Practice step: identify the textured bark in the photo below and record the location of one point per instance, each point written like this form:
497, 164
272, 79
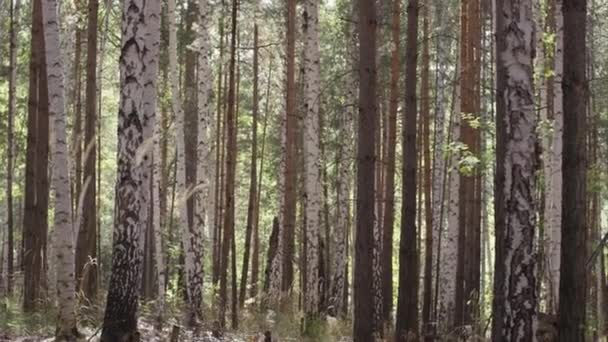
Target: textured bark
228, 224
35, 219
136, 116
553, 197
407, 305
312, 156
86, 245
518, 289
573, 277
66, 323
363, 284
253, 188
425, 113
287, 240
12, 88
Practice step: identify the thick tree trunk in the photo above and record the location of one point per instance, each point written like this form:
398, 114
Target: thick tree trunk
363, 284
136, 116
312, 158
407, 305
572, 289
35, 219
517, 298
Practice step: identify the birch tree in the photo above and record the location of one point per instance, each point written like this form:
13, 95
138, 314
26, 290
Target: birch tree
517, 157
138, 64
66, 294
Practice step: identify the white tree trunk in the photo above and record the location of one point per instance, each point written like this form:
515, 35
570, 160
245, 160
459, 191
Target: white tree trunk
66, 324
312, 92
449, 241
553, 200
518, 290
191, 236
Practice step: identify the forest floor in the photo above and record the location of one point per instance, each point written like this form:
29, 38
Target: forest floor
16, 326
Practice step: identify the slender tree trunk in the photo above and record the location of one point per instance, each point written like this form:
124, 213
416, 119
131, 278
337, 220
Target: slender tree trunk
289, 194
425, 112
389, 182
407, 307
517, 299
66, 324
572, 294
136, 116
228, 225
253, 188
86, 243
553, 200
363, 297
12, 89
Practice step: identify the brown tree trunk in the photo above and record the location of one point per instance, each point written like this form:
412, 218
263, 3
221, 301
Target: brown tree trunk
407, 307
86, 245
425, 113
35, 224
289, 195
368, 118
228, 226
572, 289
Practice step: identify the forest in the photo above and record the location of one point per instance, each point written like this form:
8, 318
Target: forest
303, 170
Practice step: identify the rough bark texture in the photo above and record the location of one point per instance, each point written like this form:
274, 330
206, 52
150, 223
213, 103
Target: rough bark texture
363, 296
572, 287
35, 217
407, 305
138, 66
312, 156
518, 290
66, 296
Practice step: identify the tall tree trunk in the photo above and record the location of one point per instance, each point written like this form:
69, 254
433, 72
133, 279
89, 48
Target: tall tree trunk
389, 182
553, 199
86, 245
66, 323
572, 289
425, 113
407, 305
35, 219
517, 298
191, 234
228, 225
136, 116
12, 89
287, 240
253, 188
363, 297
312, 158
